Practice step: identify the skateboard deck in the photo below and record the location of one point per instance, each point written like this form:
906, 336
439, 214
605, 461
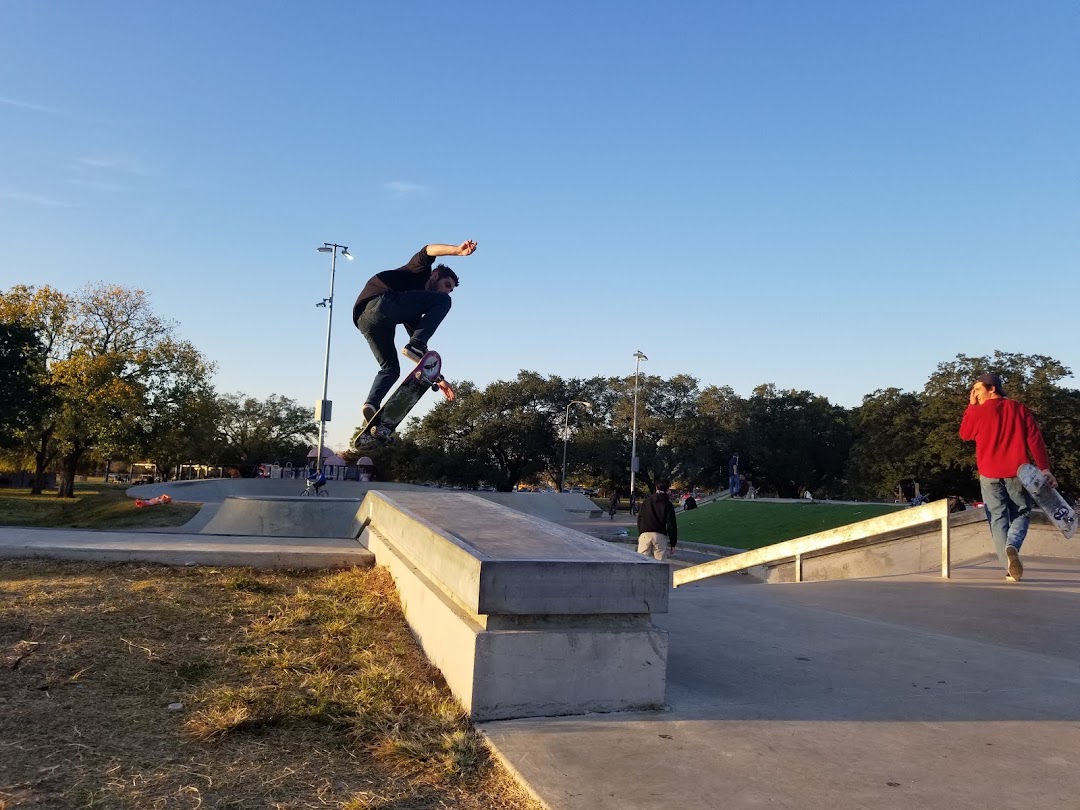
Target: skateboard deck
1049, 499
380, 430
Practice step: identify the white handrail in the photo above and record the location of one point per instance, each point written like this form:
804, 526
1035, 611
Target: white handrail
833, 538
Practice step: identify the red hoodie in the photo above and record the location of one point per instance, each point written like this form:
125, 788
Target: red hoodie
1003, 431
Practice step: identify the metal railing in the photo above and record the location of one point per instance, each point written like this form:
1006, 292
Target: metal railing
831, 540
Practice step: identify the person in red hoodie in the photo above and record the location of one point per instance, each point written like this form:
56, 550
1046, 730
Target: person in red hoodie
1004, 432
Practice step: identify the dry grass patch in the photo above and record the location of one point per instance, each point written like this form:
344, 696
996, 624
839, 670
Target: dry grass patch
296, 690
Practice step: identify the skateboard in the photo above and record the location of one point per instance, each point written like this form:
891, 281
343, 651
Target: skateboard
380, 430
1049, 499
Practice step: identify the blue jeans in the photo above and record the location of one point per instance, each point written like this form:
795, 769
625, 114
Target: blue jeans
420, 310
733, 485
1008, 508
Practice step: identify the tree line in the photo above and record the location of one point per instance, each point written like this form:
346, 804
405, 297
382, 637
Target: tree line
97, 375
511, 432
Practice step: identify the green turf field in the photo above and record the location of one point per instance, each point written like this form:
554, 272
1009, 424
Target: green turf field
752, 524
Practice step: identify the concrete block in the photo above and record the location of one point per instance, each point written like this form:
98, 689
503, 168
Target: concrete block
496, 560
523, 618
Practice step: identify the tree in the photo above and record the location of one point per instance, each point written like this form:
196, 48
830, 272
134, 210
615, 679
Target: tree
46, 311
275, 430
500, 435
797, 439
182, 420
112, 364
888, 444
24, 389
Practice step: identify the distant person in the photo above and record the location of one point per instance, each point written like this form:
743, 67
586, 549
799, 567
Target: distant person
316, 480
613, 505
733, 474
657, 529
957, 504
633, 503
690, 502
1004, 432
751, 490
417, 295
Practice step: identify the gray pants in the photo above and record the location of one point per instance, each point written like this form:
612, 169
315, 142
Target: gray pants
653, 544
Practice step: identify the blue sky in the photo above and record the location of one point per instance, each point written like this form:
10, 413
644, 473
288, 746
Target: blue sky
833, 196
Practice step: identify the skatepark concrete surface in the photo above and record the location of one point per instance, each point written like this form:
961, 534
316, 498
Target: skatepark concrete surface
264, 522
896, 692
904, 691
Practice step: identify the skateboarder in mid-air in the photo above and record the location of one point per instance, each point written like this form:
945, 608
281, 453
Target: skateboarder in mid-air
417, 295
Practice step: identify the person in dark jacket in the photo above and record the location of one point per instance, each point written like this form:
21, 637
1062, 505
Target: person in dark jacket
657, 530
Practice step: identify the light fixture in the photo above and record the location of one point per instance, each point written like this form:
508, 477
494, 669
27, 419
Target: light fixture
322, 410
634, 463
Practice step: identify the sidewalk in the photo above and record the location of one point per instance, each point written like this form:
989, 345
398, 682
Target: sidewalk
179, 548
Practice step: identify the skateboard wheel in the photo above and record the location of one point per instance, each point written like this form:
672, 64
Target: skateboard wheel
434, 386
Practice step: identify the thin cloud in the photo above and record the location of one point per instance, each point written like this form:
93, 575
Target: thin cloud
114, 164
27, 105
99, 185
403, 188
34, 199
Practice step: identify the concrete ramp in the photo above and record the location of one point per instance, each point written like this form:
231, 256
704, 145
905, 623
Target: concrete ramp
216, 490
286, 517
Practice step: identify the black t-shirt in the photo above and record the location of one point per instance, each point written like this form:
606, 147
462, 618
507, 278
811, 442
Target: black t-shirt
413, 275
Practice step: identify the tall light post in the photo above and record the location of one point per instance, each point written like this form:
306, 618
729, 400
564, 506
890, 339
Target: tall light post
566, 437
324, 407
633, 442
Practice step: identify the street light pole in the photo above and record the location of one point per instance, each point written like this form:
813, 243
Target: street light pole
566, 437
324, 407
633, 442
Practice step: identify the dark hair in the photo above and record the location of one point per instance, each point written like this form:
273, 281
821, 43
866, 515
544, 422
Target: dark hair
991, 380
663, 485
442, 271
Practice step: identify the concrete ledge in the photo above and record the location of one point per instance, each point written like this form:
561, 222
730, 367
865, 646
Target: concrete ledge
523, 617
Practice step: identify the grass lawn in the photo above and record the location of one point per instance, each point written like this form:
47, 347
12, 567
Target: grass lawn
95, 506
752, 524
142, 686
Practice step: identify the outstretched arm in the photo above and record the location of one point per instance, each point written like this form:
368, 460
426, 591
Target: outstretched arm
466, 248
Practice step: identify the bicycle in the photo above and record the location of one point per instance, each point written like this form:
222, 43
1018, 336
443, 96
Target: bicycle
314, 485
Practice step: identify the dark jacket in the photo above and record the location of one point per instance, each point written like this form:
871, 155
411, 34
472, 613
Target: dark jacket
658, 515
